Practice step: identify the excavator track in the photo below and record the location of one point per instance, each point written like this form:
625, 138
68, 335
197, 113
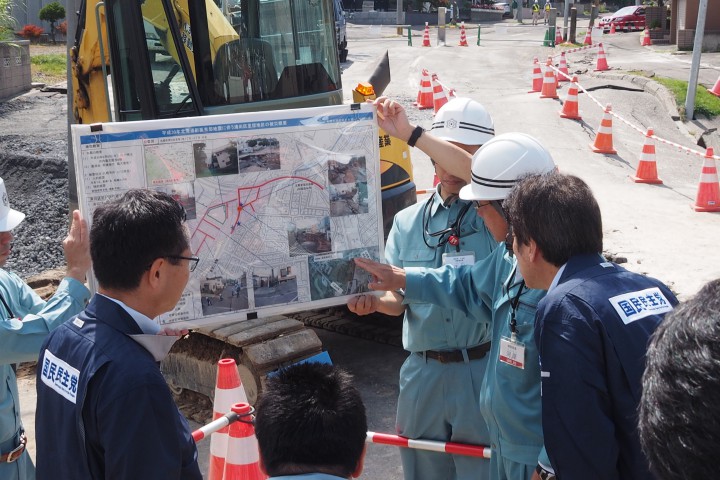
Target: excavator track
375, 327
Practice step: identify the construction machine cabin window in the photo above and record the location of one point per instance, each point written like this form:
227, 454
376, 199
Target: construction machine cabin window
280, 49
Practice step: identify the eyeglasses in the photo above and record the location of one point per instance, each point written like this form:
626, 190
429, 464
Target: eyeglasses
479, 205
192, 261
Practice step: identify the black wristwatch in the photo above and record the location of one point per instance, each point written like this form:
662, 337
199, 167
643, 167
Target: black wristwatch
544, 474
415, 135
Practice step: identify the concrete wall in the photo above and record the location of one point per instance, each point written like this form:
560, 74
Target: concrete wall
686, 21
14, 68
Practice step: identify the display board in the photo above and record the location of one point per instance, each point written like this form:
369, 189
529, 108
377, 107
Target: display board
278, 203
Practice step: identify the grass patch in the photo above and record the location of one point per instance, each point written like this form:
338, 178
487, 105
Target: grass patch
705, 103
49, 68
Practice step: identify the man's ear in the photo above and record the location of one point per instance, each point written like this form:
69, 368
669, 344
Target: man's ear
153, 275
360, 464
533, 251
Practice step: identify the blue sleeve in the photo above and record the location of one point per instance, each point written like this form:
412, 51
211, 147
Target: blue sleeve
21, 338
466, 288
576, 413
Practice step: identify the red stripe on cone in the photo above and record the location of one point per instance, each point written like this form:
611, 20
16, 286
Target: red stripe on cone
647, 167
463, 38
563, 69
716, 89
228, 391
603, 139
243, 456
708, 195
426, 36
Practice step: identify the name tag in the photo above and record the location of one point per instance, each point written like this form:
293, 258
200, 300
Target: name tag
636, 305
457, 259
512, 352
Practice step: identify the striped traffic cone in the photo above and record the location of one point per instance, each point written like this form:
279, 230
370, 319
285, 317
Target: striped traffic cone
549, 86
647, 168
425, 94
463, 38
716, 89
602, 64
588, 37
563, 69
570, 106
558, 36
646, 41
708, 195
439, 97
426, 36
603, 139
228, 391
243, 455
537, 77
612, 29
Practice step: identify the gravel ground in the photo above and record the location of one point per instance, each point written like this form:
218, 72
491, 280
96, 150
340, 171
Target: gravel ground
33, 163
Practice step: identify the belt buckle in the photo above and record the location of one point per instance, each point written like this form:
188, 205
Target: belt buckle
16, 452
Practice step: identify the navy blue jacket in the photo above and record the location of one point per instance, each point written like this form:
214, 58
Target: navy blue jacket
104, 410
592, 332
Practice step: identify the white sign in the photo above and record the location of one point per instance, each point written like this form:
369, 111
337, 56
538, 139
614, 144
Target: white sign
278, 203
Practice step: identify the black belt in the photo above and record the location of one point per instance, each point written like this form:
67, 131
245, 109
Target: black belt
16, 452
455, 356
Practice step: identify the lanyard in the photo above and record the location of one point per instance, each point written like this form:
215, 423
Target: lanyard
514, 301
450, 234
12, 315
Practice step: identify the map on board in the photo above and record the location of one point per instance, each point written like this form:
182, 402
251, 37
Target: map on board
278, 203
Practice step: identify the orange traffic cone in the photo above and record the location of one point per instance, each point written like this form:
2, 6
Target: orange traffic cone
603, 139
570, 106
716, 89
425, 94
228, 391
243, 455
647, 168
549, 86
563, 69
602, 64
708, 196
463, 38
646, 41
439, 97
612, 28
558, 36
588, 37
426, 36
537, 78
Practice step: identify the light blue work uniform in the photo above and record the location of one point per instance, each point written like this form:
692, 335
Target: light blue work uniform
20, 341
438, 401
510, 397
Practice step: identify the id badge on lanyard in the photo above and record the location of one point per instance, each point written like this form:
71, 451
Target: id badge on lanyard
457, 259
512, 352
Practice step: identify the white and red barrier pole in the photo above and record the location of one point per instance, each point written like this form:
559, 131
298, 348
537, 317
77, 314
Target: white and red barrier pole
212, 427
480, 451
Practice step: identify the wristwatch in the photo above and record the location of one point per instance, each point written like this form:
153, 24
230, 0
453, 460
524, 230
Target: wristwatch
415, 135
544, 474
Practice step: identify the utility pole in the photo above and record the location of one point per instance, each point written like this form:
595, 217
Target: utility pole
695, 67
594, 13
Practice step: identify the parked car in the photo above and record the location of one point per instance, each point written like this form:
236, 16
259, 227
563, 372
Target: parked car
505, 7
626, 19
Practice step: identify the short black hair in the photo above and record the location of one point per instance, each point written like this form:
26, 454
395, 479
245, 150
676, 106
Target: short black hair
679, 410
311, 419
131, 232
558, 212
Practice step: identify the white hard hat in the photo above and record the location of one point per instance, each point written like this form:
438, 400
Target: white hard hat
9, 218
501, 162
465, 121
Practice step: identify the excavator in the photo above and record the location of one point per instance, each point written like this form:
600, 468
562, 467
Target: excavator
158, 59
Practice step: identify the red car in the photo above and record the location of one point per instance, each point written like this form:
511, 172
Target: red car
626, 19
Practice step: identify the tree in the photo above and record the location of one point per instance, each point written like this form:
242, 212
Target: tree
7, 22
51, 13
